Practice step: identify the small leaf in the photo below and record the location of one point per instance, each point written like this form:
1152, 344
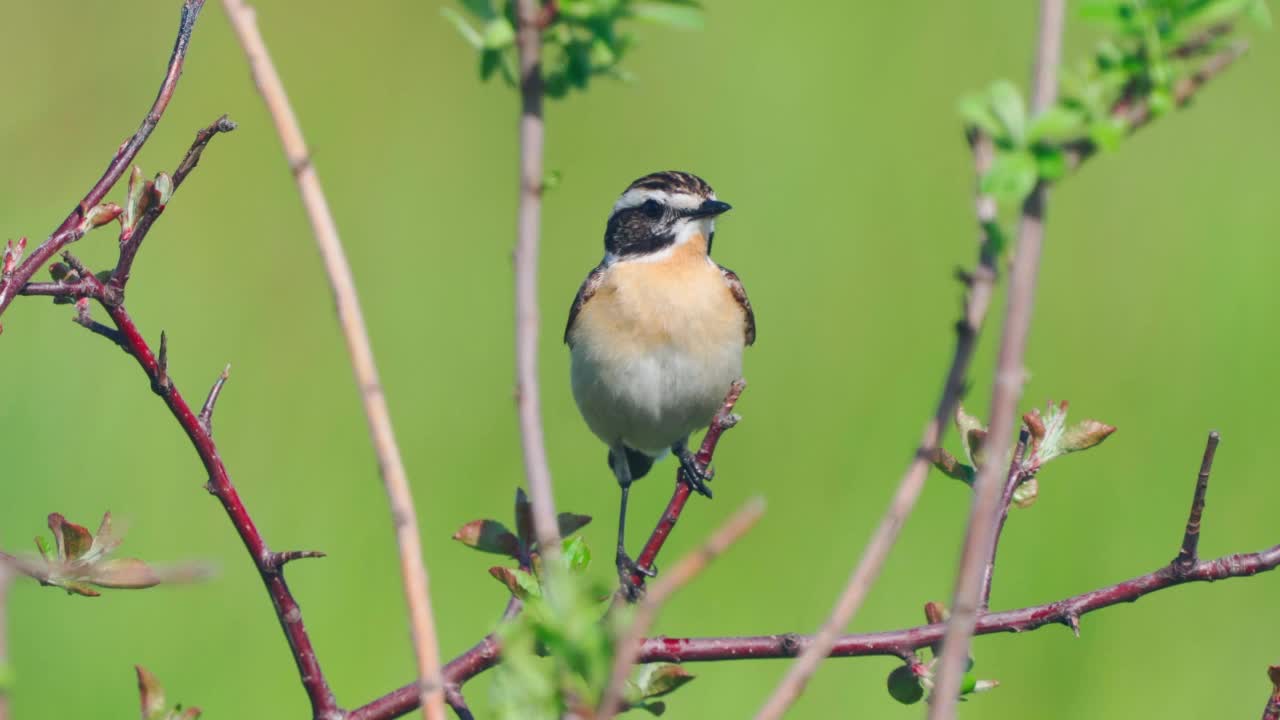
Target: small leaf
102, 214
1025, 495
1051, 162
468, 33
1258, 12
935, 612
575, 555
1107, 133
498, 34
571, 523
521, 584
488, 536
137, 200
1011, 177
976, 111
1056, 123
150, 692
952, 468
162, 186
524, 517
72, 540
904, 685
124, 573
480, 8
1160, 101
1006, 103
658, 679
973, 434
1085, 435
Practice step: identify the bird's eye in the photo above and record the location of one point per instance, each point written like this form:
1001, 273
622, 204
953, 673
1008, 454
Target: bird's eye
651, 208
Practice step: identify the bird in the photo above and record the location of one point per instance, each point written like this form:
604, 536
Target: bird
656, 333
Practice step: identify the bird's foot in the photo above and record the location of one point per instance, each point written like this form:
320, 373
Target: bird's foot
695, 474
627, 570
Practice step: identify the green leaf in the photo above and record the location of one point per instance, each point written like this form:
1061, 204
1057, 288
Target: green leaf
463, 27
521, 584
498, 34
976, 111
1051, 162
480, 8
1056, 123
1012, 176
1084, 435
658, 679
685, 16
904, 685
1009, 109
952, 468
576, 555
972, 433
1259, 13
1107, 133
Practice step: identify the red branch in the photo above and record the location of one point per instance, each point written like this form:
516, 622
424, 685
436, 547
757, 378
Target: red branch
897, 643
1272, 710
723, 420
74, 226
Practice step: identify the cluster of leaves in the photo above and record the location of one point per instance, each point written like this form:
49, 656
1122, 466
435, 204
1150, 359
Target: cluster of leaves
1150, 45
580, 39
908, 683
558, 651
1048, 437
154, 706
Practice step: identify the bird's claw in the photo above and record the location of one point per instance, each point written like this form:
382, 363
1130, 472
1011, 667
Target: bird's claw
696, 476
628, 569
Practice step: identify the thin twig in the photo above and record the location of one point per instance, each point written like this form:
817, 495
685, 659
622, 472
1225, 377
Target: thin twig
528, 397
412, 568
981, 283
679, 576
723, 420
1013, 478
75, 225
1189, 553
1009, 376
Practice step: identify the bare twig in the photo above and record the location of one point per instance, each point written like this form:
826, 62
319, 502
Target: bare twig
983, 518
75, 225
528, 398
412, 568
1189, 553
1012, 479
981, 283
723, 420
1272, 710
206, 412
629, 644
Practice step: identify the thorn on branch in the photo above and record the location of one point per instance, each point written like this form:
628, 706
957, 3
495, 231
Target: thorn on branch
1189, 556
163, 384
206, 412
84, 319
277, 560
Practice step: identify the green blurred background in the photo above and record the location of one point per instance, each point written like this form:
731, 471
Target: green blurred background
831, 128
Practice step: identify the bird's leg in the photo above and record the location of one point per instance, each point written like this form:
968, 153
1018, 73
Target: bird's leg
626, 566
691, 471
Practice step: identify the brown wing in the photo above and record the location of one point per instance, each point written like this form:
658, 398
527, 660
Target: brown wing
740, 294
589, 287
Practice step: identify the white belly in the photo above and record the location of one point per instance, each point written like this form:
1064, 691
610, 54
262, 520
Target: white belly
649, 400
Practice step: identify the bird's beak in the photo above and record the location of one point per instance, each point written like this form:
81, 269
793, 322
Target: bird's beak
711, 208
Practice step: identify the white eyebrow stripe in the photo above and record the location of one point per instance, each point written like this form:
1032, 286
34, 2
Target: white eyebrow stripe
637, 197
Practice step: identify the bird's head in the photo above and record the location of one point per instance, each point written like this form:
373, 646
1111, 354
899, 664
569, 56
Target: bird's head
659, 211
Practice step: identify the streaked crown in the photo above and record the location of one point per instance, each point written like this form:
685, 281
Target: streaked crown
660, 210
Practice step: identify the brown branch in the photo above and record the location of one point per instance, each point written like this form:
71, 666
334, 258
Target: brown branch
895, 643
723, 420
1013, 478
1189, 554
628, 646
76, 224
980, 538
1272, 710
399, 495
127, 335
528, 397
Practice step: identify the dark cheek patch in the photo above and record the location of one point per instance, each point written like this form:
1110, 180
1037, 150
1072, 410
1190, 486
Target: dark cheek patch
630, 233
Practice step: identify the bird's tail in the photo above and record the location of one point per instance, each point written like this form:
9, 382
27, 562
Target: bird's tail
638, 462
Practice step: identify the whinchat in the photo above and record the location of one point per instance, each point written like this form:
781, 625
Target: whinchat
657, 330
